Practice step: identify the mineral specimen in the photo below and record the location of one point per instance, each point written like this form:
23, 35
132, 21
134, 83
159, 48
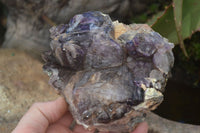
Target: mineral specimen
109, 73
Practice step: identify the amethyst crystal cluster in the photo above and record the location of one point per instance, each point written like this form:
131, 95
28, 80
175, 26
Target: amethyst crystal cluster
109, 73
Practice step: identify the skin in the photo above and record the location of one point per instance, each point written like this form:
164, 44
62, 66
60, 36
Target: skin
54, 117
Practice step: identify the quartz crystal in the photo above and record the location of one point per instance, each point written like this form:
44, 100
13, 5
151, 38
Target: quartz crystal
109, 73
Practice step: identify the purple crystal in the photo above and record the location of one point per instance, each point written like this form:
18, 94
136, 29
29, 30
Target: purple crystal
109, 82
89, 21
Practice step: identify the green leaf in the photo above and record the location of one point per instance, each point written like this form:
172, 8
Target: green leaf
185, 16
178, 13
155, 18
165, 25
177, 6
191, 17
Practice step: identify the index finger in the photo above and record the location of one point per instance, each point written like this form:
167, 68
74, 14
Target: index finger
40, 115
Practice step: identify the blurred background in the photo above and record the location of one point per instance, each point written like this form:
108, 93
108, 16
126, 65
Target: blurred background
24, 35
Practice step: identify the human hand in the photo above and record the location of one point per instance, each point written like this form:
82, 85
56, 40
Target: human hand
54, 117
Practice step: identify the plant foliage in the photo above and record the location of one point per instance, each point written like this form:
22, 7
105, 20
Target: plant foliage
179, 21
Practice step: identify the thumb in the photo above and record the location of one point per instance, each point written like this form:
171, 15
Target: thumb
141, 128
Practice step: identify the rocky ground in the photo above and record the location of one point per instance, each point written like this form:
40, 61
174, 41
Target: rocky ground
22, 82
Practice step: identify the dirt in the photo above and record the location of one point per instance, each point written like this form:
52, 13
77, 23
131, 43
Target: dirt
22, 82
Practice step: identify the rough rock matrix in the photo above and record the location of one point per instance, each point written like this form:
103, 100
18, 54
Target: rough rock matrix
109, 73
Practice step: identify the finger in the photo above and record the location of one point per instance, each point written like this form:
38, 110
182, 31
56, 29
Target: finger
58, 128
62, 125
40, 115
81, 129
105, 132
141, 128
66, 120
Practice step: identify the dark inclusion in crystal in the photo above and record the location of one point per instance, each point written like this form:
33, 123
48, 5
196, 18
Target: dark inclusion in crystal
109, 73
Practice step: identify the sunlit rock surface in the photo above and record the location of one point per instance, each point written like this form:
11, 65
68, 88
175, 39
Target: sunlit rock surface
109, 73
22, 83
